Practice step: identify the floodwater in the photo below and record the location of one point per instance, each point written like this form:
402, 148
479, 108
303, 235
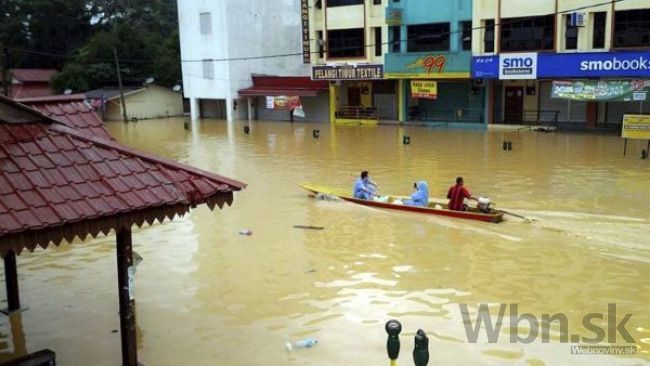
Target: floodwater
208, 296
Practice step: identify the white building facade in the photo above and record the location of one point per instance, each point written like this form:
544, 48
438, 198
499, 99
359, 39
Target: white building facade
225, 42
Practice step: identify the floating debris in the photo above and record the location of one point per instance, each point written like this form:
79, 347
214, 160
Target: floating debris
308, 227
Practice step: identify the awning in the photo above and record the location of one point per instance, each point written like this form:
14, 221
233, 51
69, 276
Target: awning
291, 86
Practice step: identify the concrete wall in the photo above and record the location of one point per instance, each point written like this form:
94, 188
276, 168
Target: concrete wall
449, 11
196, 47
366, 16
316, 110
489, 9
153, 102
239, 29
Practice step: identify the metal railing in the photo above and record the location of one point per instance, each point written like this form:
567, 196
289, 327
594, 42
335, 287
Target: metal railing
463, 115
528, 117
356, 112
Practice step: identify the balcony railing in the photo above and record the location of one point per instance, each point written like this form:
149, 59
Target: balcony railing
527, 117
463, 115
356, 112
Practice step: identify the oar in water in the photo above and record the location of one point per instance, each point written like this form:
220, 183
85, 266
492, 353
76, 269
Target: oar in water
516, 215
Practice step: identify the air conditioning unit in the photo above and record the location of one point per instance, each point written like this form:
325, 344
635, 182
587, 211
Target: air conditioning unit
577, 19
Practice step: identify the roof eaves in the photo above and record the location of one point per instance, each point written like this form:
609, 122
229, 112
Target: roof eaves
236, 185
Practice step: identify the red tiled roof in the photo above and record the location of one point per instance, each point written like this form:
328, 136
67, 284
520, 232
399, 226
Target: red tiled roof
19, 91
72, 111
33, 75
57, 183
285, 85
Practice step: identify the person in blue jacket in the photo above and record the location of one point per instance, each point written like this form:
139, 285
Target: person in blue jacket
364, 188
421, 195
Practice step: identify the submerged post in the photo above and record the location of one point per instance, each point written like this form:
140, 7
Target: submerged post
127, 302
11, 280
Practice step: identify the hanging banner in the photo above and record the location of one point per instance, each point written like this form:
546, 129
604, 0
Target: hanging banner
283, 102
601, 90
636, 126
421, 89
306, 43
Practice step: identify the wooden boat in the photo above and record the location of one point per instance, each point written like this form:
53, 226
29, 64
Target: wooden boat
387, 202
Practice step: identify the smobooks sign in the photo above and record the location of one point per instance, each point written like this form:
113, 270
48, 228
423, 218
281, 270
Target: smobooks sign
595, 64
518, 66
346, 72
601, 90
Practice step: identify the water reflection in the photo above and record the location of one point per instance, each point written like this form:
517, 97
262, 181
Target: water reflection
206, 293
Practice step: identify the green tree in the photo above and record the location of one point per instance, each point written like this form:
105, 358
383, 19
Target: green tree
145, 34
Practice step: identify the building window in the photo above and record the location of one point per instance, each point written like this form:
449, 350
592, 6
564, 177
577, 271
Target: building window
600, 23
345, 43
488, 35
377, 41
318, 4
428, 37
205, 21
208, 69
396, 39
466, 36
527, 33
570, 34
376, 2
332, 3
321, 44
632, 28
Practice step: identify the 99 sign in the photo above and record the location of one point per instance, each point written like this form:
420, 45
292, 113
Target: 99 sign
437, 63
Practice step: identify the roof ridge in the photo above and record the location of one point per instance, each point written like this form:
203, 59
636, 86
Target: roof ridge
146, 156
28, 109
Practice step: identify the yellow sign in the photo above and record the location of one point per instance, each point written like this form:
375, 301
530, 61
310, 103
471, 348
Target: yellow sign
636, 126
424, 89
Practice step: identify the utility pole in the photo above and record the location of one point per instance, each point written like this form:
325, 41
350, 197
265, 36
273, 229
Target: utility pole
5, 72
119, 84
119, 72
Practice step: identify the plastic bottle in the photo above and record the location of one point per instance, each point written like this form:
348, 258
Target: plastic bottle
305, 343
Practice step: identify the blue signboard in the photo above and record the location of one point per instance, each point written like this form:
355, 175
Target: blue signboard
573, 65
485, 67
597, 64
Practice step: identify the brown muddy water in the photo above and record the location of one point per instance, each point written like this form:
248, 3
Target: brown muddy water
208, 296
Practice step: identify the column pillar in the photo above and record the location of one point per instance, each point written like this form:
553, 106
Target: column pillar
333, 96
194, 109
125, 272
249, 102
11, 280
230, 112
401, 101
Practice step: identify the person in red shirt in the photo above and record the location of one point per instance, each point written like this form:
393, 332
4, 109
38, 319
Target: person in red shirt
457, 194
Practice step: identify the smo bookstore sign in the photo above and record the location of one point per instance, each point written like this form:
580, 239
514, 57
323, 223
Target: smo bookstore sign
595, 64
631, 64
517, 66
